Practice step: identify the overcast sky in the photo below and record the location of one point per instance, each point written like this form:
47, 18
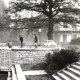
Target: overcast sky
6, 2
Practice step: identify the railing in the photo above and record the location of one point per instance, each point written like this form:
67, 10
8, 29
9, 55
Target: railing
5, 59
69, 29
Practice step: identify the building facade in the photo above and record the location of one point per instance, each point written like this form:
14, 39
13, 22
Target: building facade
64, 35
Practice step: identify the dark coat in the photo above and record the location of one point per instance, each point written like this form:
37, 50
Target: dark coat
21, 39
36, 39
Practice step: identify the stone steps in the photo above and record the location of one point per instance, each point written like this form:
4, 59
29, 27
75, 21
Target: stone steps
63, 76
56, 77
72, 72
75, 67
71, 75
77, 63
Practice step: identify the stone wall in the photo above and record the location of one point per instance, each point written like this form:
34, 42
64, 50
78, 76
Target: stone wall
8, 57
13, 36
29, 56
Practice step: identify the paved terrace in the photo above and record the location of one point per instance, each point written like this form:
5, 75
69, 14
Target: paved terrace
18, 74
71, 72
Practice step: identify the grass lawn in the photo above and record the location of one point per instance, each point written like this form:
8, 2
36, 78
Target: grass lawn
27, 67
39, 77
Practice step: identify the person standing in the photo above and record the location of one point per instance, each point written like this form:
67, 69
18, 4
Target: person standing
36, 41
21, 40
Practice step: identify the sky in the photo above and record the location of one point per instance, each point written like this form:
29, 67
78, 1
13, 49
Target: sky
6, 2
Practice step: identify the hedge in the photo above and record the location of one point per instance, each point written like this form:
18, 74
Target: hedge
58, 60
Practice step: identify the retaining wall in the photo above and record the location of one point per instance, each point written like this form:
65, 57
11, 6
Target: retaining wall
8, 57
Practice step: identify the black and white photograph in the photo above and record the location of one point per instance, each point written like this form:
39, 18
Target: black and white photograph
39, 39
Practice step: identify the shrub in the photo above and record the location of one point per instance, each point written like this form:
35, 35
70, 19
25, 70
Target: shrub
75, 41
58, 60
61, 59
39, 66
70, 56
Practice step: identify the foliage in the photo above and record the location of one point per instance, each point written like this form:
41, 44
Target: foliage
75, 41
55, 11
4, 23
61, 59
70, 56
58, 60
39, 66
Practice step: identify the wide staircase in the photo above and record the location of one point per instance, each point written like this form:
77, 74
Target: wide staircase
71, 72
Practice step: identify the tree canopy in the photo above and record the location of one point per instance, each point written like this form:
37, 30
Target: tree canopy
55, 11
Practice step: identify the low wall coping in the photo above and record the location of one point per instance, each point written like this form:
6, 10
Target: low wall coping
49, 49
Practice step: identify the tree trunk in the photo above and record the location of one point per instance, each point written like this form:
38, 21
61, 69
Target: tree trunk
50, 29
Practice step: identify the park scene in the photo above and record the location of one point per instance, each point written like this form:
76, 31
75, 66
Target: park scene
39, 40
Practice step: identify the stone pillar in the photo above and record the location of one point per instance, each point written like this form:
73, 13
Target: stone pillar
9, 75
